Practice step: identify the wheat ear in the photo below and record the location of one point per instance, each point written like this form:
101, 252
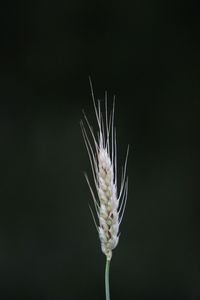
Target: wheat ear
109, 202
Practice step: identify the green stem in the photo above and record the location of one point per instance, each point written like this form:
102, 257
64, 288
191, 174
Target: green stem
107, 288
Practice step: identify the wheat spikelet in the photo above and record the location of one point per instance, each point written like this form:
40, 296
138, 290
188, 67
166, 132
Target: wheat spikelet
109, 202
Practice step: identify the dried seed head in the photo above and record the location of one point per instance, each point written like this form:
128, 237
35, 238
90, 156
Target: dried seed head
108, 201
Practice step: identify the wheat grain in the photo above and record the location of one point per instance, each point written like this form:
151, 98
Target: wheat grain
109, 202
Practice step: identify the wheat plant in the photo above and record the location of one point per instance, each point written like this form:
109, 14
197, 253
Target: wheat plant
109, 200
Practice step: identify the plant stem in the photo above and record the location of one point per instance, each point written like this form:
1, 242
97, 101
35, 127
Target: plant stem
107, 288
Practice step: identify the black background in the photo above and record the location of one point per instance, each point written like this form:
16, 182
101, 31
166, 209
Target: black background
147, 54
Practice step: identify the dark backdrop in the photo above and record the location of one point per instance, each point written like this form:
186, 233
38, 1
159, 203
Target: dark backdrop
147, 54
